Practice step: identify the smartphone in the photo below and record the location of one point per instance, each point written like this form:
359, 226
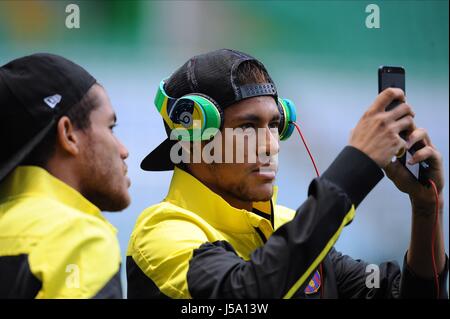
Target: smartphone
394, 76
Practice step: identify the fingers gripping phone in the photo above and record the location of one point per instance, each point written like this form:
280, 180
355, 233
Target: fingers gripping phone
393, 76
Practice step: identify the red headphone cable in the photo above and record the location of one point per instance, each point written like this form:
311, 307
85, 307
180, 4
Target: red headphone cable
307, 148
318, 174
433, 238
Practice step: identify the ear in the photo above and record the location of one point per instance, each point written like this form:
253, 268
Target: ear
68, 138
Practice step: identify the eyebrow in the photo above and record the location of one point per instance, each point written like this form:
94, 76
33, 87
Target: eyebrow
255, 118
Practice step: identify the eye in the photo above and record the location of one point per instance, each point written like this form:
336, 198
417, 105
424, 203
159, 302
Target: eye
246, 126
274, 124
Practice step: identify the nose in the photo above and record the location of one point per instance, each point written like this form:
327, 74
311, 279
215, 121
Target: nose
268, 142
122, 150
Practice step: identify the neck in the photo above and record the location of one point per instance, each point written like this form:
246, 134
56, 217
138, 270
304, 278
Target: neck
227, 196
232, 200
65, 173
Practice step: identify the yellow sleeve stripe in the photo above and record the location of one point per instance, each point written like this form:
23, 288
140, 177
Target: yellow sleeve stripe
348, 217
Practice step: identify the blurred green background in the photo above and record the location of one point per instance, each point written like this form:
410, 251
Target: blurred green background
320, 54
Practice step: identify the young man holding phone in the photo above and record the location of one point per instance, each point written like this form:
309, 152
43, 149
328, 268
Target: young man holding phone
219, 232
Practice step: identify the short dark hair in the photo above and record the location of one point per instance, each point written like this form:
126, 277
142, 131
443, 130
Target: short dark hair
79, 115
250, 72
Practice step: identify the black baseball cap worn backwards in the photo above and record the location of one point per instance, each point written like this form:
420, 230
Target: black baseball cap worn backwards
35, 91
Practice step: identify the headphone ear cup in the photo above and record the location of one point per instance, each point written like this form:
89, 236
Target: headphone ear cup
213, 117
181, 112
288, 115
189, 109
282, 117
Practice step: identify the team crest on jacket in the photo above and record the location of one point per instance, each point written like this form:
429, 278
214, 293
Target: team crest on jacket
314, 284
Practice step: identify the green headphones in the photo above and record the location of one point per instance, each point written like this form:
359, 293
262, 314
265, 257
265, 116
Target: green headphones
202, 117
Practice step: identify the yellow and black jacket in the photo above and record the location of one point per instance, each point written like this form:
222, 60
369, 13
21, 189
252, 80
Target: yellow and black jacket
195, 245
54, 243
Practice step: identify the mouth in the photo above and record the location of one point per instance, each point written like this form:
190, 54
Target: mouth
125, 172
267, 172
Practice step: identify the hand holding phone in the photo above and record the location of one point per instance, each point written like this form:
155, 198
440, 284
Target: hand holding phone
392, 76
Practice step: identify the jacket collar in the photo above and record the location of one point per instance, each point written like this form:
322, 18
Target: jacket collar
189, 193
33, 181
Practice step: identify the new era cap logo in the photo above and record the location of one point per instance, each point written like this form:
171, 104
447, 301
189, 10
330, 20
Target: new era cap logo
53, 100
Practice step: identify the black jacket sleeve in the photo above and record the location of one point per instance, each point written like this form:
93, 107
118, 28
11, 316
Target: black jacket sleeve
359, 279
284, 264
413, 286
